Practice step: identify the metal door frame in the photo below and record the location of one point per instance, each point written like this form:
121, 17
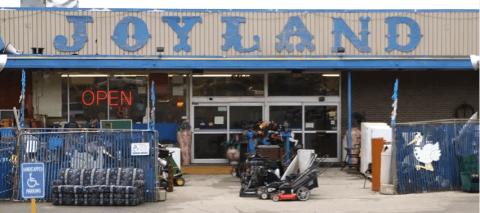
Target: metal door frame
227, 131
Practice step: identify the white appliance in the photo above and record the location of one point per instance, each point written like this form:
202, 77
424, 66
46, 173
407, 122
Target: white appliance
369, 131
176, 156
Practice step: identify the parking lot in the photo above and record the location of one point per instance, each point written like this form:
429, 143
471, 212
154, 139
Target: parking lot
338, 191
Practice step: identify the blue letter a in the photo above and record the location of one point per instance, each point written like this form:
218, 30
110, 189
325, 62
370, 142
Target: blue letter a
287, 32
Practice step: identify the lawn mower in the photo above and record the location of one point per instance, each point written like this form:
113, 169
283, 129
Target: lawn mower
265, 135
295, 186
258, 171
170, 174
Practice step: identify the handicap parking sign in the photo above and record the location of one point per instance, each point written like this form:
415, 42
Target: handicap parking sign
33, 180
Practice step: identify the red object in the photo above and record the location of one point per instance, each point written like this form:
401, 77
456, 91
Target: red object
287, 196
103, 95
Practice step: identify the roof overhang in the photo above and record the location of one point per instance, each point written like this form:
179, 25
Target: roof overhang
172, 62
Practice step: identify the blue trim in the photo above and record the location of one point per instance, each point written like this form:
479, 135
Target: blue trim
233, 57
157, 63
240, 10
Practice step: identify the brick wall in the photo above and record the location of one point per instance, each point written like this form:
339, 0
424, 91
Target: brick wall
423, 95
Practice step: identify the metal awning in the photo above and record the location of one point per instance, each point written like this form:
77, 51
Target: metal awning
172, 62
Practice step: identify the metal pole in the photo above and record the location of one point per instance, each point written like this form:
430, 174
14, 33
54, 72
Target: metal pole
68, 99
349, 112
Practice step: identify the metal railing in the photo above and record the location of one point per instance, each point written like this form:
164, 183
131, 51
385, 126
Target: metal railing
7, 159
84, 149
431, 172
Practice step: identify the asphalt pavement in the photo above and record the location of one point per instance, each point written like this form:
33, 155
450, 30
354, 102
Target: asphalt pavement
338, 191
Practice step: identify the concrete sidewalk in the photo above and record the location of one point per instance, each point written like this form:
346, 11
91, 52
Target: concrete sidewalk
338, 191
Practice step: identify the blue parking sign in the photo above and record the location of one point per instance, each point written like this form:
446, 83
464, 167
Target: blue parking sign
33, 180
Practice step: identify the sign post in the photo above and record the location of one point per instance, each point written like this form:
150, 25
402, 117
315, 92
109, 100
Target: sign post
33, 182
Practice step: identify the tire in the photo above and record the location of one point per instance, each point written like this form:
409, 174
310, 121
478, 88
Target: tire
179, 181
264, 196
303, 193
164, 183
275, 197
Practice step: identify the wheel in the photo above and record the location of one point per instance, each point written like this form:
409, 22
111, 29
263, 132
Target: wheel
275, 197
303, 193
264, 196
164, 183
233, 173
179, 181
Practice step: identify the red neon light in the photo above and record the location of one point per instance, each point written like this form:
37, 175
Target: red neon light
109, 96
83, 97
112, 98
99, 98
122, 94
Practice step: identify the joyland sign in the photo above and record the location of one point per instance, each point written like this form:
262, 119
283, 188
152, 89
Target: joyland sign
90, 97
201, 33
294, 26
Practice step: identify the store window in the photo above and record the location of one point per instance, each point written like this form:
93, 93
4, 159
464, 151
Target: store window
210, 117
241, 115
303, 84
291, 114
209, 146
323, 143
88, 98
128, 97
320, 117
228, 85
171, 100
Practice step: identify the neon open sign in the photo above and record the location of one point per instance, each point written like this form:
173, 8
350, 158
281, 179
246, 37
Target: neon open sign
104, 95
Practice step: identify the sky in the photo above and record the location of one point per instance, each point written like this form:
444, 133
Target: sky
270, 4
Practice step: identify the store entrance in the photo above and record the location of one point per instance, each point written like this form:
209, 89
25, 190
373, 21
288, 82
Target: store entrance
315, 126
217, 123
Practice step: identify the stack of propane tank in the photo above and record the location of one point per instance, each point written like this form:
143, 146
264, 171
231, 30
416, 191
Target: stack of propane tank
290, 178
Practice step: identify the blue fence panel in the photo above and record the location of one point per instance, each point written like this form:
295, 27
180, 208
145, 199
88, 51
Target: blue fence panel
453, 139
103, 149
7, 168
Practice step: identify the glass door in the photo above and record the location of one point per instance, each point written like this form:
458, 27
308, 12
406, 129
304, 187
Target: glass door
214, 124
292, 114
314, 126
321, 129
